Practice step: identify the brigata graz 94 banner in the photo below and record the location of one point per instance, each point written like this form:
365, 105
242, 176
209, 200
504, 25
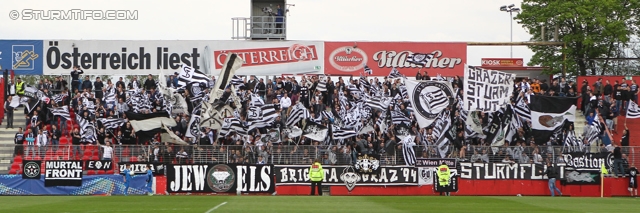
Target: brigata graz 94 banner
347, 176
349, 58
220, 178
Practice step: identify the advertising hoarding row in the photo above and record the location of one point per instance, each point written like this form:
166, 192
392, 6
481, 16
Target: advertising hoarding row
122, 57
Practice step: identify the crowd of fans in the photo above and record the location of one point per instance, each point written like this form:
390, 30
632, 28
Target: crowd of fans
43, 130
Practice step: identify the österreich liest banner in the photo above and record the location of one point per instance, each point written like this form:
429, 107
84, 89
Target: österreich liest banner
220, 178
63, 173
347, 176
350, 58
122, 57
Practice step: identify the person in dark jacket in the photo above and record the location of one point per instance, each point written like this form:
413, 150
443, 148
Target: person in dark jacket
75, 77
279, 20
149, 83
608, 90
552, 175
418, 76
98, 85
86, 84
618, 168
624, 141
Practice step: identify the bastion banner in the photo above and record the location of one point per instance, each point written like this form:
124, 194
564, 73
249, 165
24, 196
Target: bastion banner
349, 58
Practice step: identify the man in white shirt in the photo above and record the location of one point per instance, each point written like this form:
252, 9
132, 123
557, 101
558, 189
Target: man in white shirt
42, 141
107, 153
285, 103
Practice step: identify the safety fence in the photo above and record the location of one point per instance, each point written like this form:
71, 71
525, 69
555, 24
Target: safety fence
281, 154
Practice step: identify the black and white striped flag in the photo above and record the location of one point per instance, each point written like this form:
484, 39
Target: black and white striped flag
632, 110
298, 112
232, 124
591, 132
87, 130
522, 109
89, 104
399, 118
380, 103
394, 73
188, 75
110, 95
339, 133
368, 70
420, 58
237, 81
111, 123
408, 153
57, 98
62, 111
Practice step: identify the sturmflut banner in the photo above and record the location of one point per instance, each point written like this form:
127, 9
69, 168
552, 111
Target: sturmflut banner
504, 171
63, 173
486, 90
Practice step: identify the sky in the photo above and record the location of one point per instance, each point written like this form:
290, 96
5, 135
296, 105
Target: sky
324, 20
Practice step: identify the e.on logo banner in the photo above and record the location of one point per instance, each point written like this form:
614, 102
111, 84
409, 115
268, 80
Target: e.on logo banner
349, 58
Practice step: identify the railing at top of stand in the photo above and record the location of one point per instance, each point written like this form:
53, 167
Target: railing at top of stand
268, 27
301, 154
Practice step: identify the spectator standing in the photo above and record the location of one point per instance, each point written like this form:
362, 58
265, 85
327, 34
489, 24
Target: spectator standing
75, 142
279, 20
107, 151
9, 111
31, 138
624, 141
18, 140
43, 139
75, 77
55, 137
618, 168
98, 85
633, 181
149, 83
86, 84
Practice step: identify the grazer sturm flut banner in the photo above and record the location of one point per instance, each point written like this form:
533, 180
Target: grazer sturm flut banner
347, 176
97, 57
427, 167
487, 90
503, 171
63, 173
584, 168
350, 58
24, 57
220, 178
272, 58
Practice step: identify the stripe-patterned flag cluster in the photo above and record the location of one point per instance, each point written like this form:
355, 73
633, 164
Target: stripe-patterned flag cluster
111, 123
420, 58
632, 110
380, 103
62, 111
394, 73
298, 112
522, 109
188, 75
110, 95
231, 124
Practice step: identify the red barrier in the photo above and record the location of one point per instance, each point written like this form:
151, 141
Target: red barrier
613, 187
161, 184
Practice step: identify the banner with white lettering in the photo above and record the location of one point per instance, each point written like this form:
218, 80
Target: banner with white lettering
104, 165
347, 176
63, 173
502, 171
486, 90
584, 168
427, 167
141, 167
220, 178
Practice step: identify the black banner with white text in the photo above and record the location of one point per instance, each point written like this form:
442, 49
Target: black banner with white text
104, 165
220, 178
347, 176
141, 167
503, 171
63, 173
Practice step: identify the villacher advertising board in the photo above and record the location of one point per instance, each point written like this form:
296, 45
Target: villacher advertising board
347, 176
220, 178
63, 173
350, 58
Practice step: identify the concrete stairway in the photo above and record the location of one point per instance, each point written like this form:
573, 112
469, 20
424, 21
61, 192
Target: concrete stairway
6, 140
579, 124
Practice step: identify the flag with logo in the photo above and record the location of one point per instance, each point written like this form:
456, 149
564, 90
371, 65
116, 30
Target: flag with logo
429, 99
633, 111
421, 59
550, 114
